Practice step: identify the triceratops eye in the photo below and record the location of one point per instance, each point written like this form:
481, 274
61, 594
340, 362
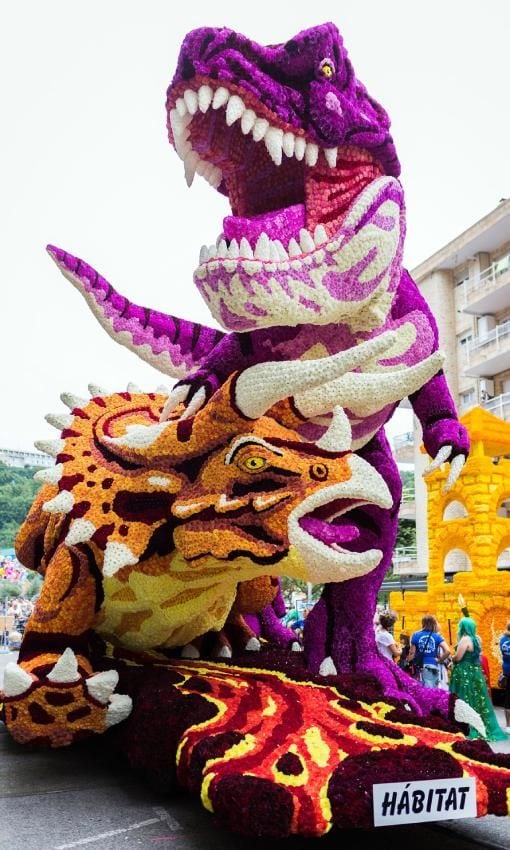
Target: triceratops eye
327, 68
319, 471
253, 463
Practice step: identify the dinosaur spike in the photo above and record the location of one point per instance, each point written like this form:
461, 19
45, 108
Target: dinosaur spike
62, 503
51, 475
72, 401
102, 685
59, 420
327, 667
162, 389
80, 531
120, 707
50, 447
116, 556
66, 668
134, 388
96, 390
338, 437
16, 680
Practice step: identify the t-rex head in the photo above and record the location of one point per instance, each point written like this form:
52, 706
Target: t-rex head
306, 159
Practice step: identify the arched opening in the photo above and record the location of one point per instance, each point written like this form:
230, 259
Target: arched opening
503, 562
455, 510
456, 561
504, 508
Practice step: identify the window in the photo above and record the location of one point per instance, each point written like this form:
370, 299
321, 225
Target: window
467, 398
456, 561
455, 510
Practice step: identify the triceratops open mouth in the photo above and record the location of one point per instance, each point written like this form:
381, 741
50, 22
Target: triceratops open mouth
288, 195
326, 531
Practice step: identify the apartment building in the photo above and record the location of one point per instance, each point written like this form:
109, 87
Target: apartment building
467, 285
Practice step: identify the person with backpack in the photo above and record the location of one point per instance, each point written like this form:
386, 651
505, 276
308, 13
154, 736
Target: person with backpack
428, 648
504, 645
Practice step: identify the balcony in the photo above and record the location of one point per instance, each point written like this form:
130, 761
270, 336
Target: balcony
489, 354
405, 562
408, 504
489, 292
499, 406
403, 447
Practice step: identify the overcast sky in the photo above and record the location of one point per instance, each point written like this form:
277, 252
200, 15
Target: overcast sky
86, 164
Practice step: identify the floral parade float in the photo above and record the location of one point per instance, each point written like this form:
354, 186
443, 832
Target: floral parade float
166, 519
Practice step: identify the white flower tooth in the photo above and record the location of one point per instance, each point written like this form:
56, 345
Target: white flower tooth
294, 249
262, 248
51, 474
259, 129
331, 155
16, 680
233, 249
273, 253
191, 101
66, 668
205, 96
222, 249
306, 241
117, 556
119, 708
181, 107
213, 252
245, 249
282, 253
202, 167
62, 503
273, 141
134, 388
71, 401
96, 390
183, 147
311, 153
102, 685
59, 420
204, 254
248, 119
299, 148
289, 141
215, 177
190, 165
320, 236
50, 447
235, 109
221, 95
81, 530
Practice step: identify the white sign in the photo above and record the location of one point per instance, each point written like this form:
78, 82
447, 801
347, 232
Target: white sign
435, 799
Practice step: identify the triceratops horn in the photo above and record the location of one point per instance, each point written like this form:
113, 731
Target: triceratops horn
338, 437
261, 386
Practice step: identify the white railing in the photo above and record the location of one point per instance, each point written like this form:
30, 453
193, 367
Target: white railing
497, 336
402, 440
407, 553
485, 281
408, 494
499, 406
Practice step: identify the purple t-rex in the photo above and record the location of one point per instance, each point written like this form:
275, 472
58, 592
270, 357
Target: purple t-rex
309, 263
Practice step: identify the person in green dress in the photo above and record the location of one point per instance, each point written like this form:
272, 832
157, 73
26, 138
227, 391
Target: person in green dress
468, 682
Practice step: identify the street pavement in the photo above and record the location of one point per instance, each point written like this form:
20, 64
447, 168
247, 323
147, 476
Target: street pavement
84, 796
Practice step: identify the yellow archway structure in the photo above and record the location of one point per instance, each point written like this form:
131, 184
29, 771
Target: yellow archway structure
481, 535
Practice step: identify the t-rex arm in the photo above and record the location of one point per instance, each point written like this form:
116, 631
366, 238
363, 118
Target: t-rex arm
173, 346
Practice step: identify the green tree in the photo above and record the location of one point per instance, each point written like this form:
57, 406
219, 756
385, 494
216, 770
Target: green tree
9, 590
17, 492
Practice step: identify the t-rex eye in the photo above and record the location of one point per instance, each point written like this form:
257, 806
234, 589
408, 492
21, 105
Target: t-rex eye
253, 463
319, 471
327, 68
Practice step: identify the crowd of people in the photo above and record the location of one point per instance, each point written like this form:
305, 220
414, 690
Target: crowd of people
462, 669
11, 569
